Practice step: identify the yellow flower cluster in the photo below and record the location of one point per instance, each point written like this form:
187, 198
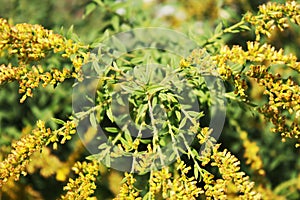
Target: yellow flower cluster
45, 161
201, 62
127, 190
252, 153
255, 53
267, 193
251, 150
272, 15
48, 164
62, 134
32, 43
204, 135
169, 186
234, 183
16, 162
83, 186
14, 191
164, 184
283, 107
283, 94
30, 79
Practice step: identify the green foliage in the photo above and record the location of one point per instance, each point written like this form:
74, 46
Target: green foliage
251, 49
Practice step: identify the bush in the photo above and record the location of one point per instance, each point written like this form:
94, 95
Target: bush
127, 110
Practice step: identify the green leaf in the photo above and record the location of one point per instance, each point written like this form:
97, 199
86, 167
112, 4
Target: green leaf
115, 23
182, 150
58, 121
97, 41
137, 60
235, 31
172, 98
89, 99
93, 157
146, 197
178, 114
80, 115
162, 142
109, 114
127, 88
118, 4
219, 28
128, 136
195, 153
119, 45
93, 120
99, 2
89, 9
245, 27
120, 101
107, 160
172, 157
97, 68
162, 96
195, 115
145, 141
182, 123
111, 129
123, 180
154, 101
125, 143
103, 146
196, 174
155, 88
70, 32
141, 112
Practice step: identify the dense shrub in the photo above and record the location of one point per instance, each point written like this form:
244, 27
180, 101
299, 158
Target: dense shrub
245, 58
